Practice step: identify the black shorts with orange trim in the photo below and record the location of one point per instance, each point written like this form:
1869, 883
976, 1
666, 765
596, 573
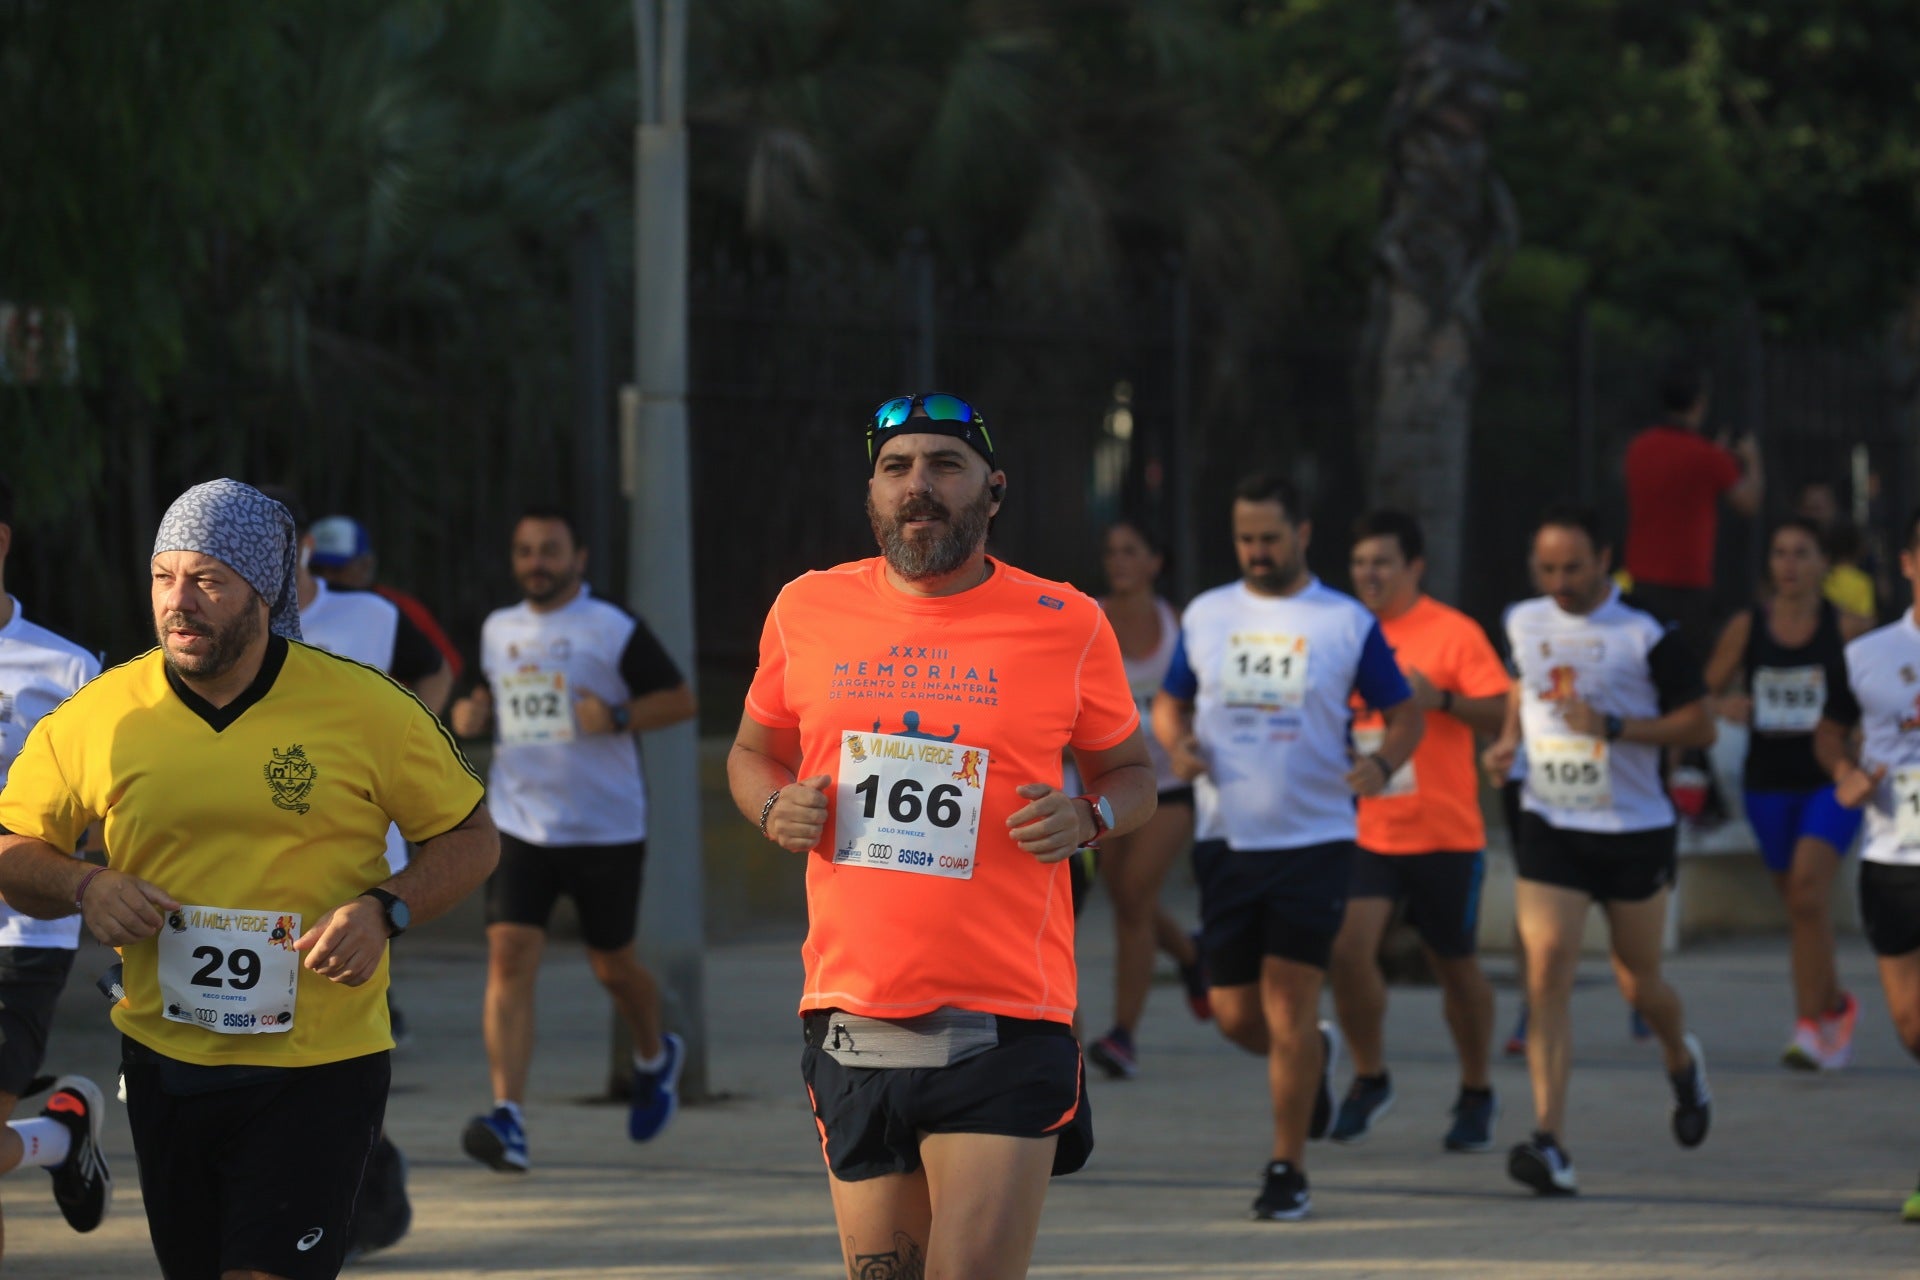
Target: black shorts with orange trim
1033, 1084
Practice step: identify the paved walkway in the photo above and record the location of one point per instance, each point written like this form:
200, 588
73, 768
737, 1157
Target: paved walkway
1803, 1175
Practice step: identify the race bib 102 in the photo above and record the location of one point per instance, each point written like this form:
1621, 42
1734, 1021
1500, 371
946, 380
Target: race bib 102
229, 970
1788, 699
1570, 773
1266, 670
534, 706
909, 804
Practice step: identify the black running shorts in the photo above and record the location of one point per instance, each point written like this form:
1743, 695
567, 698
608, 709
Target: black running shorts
30, 982
261, 1176
1890, 907
1031, 1085
1607, 866
1441, 890
602, 879
1256, 903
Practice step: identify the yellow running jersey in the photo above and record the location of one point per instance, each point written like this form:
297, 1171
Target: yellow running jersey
258, 817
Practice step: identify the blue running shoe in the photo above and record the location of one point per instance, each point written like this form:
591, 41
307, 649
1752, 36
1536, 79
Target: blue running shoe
497, 1141
656, 1094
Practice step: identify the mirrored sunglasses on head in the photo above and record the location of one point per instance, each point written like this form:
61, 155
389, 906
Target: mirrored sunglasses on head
938, 406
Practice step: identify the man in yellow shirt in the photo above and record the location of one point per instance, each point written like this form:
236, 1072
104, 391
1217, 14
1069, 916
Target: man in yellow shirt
244, 782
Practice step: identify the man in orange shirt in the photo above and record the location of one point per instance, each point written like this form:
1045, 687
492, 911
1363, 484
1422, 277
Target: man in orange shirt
904, 733
1421, 840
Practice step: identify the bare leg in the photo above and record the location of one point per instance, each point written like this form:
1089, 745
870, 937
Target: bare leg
1636, 929
1467, 1000
1290, 994
1808, 889
1359, 992
513, 962
972, 1210
636, 996
1241, 1016
1900, 979
1551, 921
1134, 869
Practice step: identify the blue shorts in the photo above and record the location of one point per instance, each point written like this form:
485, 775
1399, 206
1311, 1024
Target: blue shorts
1781, 818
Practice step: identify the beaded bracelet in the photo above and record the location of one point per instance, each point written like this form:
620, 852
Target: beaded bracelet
766, 809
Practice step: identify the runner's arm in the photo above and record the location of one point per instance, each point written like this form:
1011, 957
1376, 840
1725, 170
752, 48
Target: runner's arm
38, 880
1724, 664
433, 687
1486, 715
1498, 758
1688, 725
1124, 775
1173, 726
762, 764
448, 867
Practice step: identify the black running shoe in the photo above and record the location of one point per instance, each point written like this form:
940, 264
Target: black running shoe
382, 1213
82, 1186
1542, 1164
1472, 1128
1366, 1101
1283, 1197
1329, 1063
1692, 1100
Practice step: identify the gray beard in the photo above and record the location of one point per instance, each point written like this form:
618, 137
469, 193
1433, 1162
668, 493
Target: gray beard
917, 559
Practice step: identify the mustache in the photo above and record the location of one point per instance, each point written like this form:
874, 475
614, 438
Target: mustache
921, 509
180, 622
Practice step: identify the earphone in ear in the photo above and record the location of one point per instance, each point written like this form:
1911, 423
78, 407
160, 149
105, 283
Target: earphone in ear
996, 491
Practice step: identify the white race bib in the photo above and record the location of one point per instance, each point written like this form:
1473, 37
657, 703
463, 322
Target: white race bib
908, 804
1570, 773
1788, 699
1404, 781
1266, 670
229, 970
534, 706
1906, 806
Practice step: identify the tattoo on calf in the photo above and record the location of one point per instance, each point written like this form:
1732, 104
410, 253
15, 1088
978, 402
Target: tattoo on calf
904, 1262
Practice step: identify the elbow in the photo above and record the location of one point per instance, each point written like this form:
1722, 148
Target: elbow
1702, 732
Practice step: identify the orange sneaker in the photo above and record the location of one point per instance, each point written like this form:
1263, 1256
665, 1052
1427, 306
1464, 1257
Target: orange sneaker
1836, 1034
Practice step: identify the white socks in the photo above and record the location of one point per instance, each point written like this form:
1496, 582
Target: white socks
45, 1142
654, 1063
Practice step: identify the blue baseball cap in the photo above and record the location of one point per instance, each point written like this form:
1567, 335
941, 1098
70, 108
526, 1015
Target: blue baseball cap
338, 541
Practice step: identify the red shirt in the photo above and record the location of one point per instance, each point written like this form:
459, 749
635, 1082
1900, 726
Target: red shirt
1674, 481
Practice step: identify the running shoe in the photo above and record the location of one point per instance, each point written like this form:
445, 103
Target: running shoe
382, 1213
1692, 1099
82, 1185
1283, 1195
656, 1093
1542, 1164
1910, 1211
1637, 1026
1473, 1115
1517, 1041
498, 1141
1804, 1051
1836, 1034
1368, 1098
1329, 1063
1113, 1054
1194, 978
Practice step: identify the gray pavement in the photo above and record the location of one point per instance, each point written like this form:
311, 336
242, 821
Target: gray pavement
1802, 1175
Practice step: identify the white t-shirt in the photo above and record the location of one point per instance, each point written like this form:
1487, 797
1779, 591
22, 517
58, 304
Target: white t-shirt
549, 783
1624, 662
1270, 678
1882, 696
38, 671
365, 627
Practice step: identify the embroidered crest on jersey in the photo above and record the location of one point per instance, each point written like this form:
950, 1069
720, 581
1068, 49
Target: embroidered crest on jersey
291, 776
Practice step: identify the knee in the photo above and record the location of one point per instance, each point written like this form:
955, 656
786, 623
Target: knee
1806, 899
613, 968
1550, 968
1240, 1020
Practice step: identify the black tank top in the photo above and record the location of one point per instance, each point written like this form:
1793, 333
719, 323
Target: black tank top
1789, 688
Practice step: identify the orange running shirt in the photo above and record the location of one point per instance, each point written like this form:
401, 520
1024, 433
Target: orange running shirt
1441, 814
993, 682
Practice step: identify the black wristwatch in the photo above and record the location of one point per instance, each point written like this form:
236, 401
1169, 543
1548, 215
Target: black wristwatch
394, 907
1614, 727
1102, 812
622, 717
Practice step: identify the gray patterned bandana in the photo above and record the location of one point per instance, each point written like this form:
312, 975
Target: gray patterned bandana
247, 531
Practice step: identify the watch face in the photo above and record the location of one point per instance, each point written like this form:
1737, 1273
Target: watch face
399, 916
1103, 809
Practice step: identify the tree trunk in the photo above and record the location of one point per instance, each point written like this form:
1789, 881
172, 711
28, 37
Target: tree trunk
1446, 222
